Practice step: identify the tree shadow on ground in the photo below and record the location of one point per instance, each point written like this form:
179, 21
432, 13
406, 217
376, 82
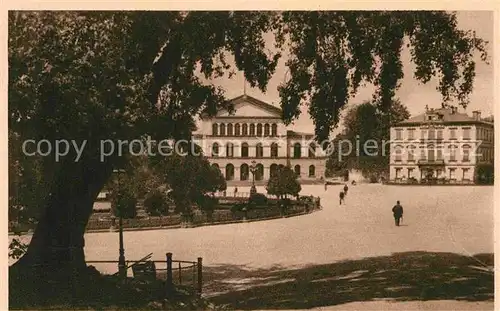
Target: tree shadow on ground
401, 277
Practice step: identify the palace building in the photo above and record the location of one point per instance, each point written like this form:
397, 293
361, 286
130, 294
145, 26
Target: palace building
441, 144
253, 137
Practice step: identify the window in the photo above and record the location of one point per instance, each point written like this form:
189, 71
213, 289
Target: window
410, 173
439, 154
397, 153
274, 129
244, 150
422, 154
440, 134
274, 150
466, 133
452, 173
215, 150
237, 131
297, 150
423, 132
312, 171
430, 153
252, 129
273, 170
411, 134
399, 134
259, 172
259, 151
230, 129
411, 153
465, 174
297, 169
215, 129
312, 150
229, 150
244, 172
453, 153
453, 134
439, 172
229, 172
259, 130
466, 153
244, 130
267, 129
222, 129
432, 133
398, 172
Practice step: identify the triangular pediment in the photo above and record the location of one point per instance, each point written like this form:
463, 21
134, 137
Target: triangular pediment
247, 106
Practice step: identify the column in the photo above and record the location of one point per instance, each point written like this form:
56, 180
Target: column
267, 172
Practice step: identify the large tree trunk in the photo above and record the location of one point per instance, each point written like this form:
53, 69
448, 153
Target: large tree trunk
58, 241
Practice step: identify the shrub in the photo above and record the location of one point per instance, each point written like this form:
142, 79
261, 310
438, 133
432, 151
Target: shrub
257, 199
156, 203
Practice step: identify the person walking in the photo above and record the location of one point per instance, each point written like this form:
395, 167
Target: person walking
345, 189
397, 211
235, 190
326, 185
341, 196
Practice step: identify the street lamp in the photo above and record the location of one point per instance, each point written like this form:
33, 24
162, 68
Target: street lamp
253, 169
122, 267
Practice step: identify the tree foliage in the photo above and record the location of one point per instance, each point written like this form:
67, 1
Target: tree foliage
283, 183
364, 143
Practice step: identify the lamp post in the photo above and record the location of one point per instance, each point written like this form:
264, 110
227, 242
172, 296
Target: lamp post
122, 267
253, 169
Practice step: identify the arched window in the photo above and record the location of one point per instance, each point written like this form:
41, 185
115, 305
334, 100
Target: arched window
215, 150
230, 129
296, 169
259, 150
312, 150
411, 153
222, 129
273, 170
215, 129
229, 172
312, 171
237, 130
259, 172
244, 150
252, 129
274, 150
297, 150
274, 130
267, 130
244, 172
466, 153
215, 165
259, 130
229, 150
244, 129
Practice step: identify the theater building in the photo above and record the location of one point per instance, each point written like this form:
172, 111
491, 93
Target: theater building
253, 136
441, 144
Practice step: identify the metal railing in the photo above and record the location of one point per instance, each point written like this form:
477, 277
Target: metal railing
174, 272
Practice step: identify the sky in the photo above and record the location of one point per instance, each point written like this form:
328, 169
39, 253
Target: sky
412, 93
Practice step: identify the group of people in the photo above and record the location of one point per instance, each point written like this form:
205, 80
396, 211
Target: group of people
397, 210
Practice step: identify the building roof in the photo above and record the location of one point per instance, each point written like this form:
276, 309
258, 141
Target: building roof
448, 116
256, 102
297, 134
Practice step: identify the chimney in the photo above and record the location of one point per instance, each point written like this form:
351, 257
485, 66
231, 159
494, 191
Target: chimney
476, 115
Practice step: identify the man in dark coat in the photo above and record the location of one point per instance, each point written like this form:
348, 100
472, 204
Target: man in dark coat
341, 197
345, 189
397, 211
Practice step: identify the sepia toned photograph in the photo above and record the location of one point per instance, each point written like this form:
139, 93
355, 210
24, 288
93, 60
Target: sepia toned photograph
250, 160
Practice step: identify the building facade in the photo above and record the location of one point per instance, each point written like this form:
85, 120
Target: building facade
254, 136
441, 144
